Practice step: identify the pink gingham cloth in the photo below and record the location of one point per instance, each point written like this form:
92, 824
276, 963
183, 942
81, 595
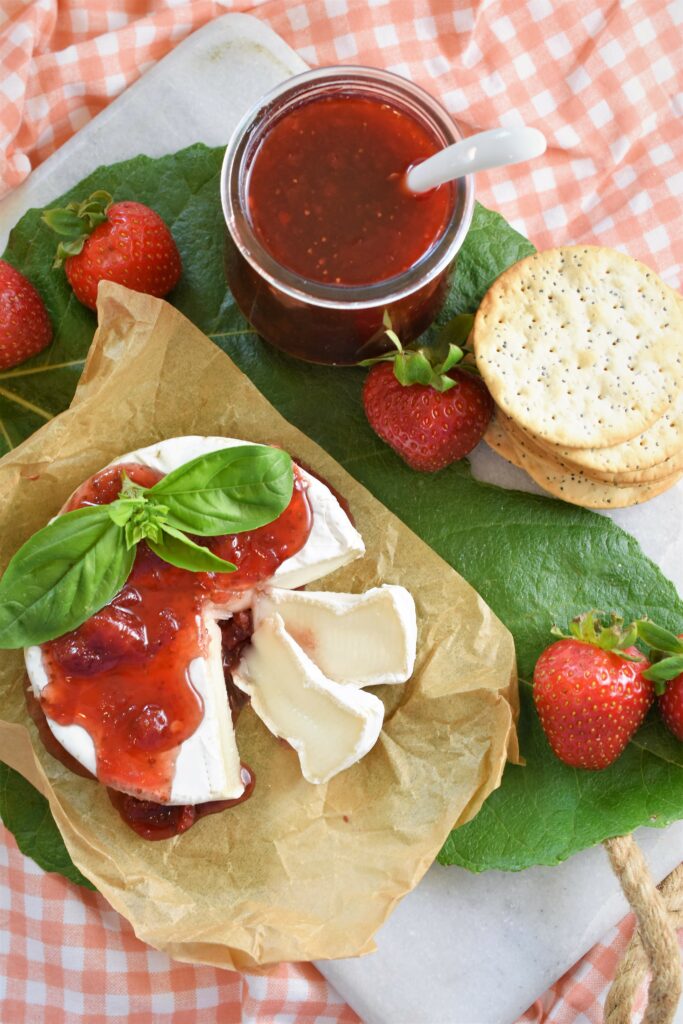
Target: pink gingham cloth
604, 81
67, 958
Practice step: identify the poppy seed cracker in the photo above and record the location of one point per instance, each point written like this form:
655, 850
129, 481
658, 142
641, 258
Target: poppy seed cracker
570, 485
581, 346
564, 457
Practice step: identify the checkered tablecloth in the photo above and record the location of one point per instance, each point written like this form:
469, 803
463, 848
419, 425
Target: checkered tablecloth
604, 80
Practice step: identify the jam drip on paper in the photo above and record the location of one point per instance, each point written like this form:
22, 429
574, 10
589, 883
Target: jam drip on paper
124, 674
162, 821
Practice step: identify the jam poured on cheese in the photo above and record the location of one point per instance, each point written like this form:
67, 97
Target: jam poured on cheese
124, 674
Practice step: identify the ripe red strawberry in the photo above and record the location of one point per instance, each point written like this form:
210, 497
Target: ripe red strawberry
589, 697
25, 327
125, 242
429, 429
430, 413
671, 706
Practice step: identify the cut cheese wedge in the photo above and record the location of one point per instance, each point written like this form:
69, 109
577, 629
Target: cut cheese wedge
329, 725
354, 639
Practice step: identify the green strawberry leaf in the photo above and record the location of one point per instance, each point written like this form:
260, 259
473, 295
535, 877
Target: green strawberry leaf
412, 368
26, 813
658, 638
589, 628
533, 559
64, 222
454, 333
76, 221
663, 671
452, 358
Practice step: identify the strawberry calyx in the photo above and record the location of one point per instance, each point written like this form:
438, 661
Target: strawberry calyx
427, 365
590, 628
666, 654
75, 222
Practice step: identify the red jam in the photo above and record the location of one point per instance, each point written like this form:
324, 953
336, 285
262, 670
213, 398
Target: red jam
326, 191
236, 634
122, 675
105, 486
322, 190
161, 821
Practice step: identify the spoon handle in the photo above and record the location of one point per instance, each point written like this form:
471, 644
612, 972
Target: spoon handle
496, 147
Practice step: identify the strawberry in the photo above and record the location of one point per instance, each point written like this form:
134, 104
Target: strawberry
125, 242
591, 692
430, 413
671, 706
25, 327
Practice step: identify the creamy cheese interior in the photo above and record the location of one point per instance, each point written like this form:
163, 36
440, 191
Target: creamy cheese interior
329, 725
356, 639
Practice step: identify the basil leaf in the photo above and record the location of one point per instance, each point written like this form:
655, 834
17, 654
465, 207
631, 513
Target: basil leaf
62, 575
228, 491
121, 510
177, 549
659, 638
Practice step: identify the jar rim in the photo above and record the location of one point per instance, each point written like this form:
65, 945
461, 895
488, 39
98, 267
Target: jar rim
250, 130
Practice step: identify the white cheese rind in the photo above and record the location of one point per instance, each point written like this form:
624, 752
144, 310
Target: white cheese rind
355, 639
74, 738
329, 725
208, 765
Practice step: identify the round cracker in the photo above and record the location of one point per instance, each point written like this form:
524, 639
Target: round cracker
662, 440
651, 475
582, 346
660, 444
572, 486
559, 455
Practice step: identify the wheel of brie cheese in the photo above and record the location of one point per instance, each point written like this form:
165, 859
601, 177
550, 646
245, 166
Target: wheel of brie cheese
138, 695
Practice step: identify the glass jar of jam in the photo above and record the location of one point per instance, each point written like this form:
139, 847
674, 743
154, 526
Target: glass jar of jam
323, 237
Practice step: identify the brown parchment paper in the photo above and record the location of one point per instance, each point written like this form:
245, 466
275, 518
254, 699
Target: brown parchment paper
298, 872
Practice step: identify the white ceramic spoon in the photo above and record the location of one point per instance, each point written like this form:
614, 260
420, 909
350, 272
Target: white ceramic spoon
496, 147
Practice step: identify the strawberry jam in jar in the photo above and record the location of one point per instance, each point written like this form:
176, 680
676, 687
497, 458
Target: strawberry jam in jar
324, 239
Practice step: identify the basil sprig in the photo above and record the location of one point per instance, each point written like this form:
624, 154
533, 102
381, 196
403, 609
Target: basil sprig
74, 566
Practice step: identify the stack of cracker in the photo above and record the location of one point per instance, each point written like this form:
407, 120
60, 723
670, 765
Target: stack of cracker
582, 351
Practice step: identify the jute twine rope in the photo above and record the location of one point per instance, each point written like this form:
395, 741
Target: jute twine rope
654, 946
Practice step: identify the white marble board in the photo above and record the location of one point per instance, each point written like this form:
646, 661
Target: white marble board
462, 948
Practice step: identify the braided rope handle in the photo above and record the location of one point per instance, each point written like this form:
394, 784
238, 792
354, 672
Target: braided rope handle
654, 946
